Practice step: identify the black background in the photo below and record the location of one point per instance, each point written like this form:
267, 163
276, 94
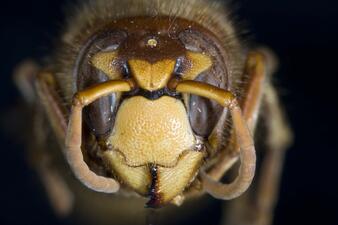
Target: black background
303, 33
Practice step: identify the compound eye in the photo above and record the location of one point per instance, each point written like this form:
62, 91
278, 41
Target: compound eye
204, 114
180, 66
100, 115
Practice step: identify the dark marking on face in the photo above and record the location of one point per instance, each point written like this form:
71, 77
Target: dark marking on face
153, 95
155, 196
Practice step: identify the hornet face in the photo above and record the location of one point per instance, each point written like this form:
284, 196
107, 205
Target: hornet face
151, 138
160, 99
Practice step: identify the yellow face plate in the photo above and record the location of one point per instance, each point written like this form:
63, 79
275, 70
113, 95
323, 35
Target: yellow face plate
199, 63
152, 76
173, 181
138, 178
104, 62
152, 131
170, 181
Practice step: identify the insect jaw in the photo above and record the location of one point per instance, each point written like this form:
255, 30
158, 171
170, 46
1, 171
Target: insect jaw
160, 184
183, 174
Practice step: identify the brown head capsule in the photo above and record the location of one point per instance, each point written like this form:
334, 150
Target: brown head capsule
153, 127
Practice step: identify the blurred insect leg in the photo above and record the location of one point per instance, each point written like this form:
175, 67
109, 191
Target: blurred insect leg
50, 100
256, 206
250, 104
74, 135
59, 194
279, 140
24, 76
243, 136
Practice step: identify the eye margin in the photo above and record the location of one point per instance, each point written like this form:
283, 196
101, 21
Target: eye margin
204, 114
100, 41
180, 66
98, 116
